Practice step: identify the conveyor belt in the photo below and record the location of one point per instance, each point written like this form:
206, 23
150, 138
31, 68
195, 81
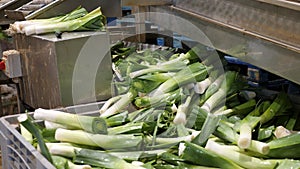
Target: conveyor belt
263, 34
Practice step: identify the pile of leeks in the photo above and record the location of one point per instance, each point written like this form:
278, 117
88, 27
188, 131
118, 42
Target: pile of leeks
77, 20
172, 110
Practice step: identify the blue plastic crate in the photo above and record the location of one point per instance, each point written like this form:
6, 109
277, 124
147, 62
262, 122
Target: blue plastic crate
255, 74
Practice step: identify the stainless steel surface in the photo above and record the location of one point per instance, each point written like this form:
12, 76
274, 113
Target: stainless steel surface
235, 41
58, 7
140, 21
9, 5
292, 4
271, 21
61, 72
145, 2
6, 3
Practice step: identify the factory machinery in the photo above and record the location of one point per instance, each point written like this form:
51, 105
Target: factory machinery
75, 68
263, 33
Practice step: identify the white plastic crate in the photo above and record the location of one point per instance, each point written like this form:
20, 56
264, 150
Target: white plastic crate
17, 153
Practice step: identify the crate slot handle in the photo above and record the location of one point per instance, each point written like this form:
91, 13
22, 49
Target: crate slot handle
19, 156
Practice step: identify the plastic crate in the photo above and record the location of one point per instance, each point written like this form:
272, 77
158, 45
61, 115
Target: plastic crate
17, 153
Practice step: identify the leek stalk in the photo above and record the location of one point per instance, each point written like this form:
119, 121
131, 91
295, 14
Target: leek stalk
279, 104
26, 134
87, 123
226, 132
213, 88
239, 158
200, 87
90, 21
245, 137
128, 128
102, 159
221, 93
208, 128
198, 155
192, 73
285, 147
118, 106
180, 117
25, 121
158, 100
63, 163
98, 140
165, 67
240, 109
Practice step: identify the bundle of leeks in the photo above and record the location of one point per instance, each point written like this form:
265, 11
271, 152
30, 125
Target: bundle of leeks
184, 117
77, 20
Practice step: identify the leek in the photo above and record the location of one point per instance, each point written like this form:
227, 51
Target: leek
174, 161
241, 159
197, 118
289, 163
173, 140
285, 147
63, 163
25, 121
159, 100
136, 155
164, 67
145, 86
245, 137
213, 88
62, 149
182, 130
281, 131
292, 121
180, 117
214, 100
240, 109
119, 105
118, 119
102, 159
87, 123
109, 102
208, 128
200, 87
265, 133
279, 104
200, 156
98, 140
157, 77
253, 118
52, 125
128, 128
90, 21
221, 93
192, 73
18, 26
226, 132
252, 121
26, 134
69, 151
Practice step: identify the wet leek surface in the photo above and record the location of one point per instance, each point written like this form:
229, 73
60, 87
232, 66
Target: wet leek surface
158, 119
